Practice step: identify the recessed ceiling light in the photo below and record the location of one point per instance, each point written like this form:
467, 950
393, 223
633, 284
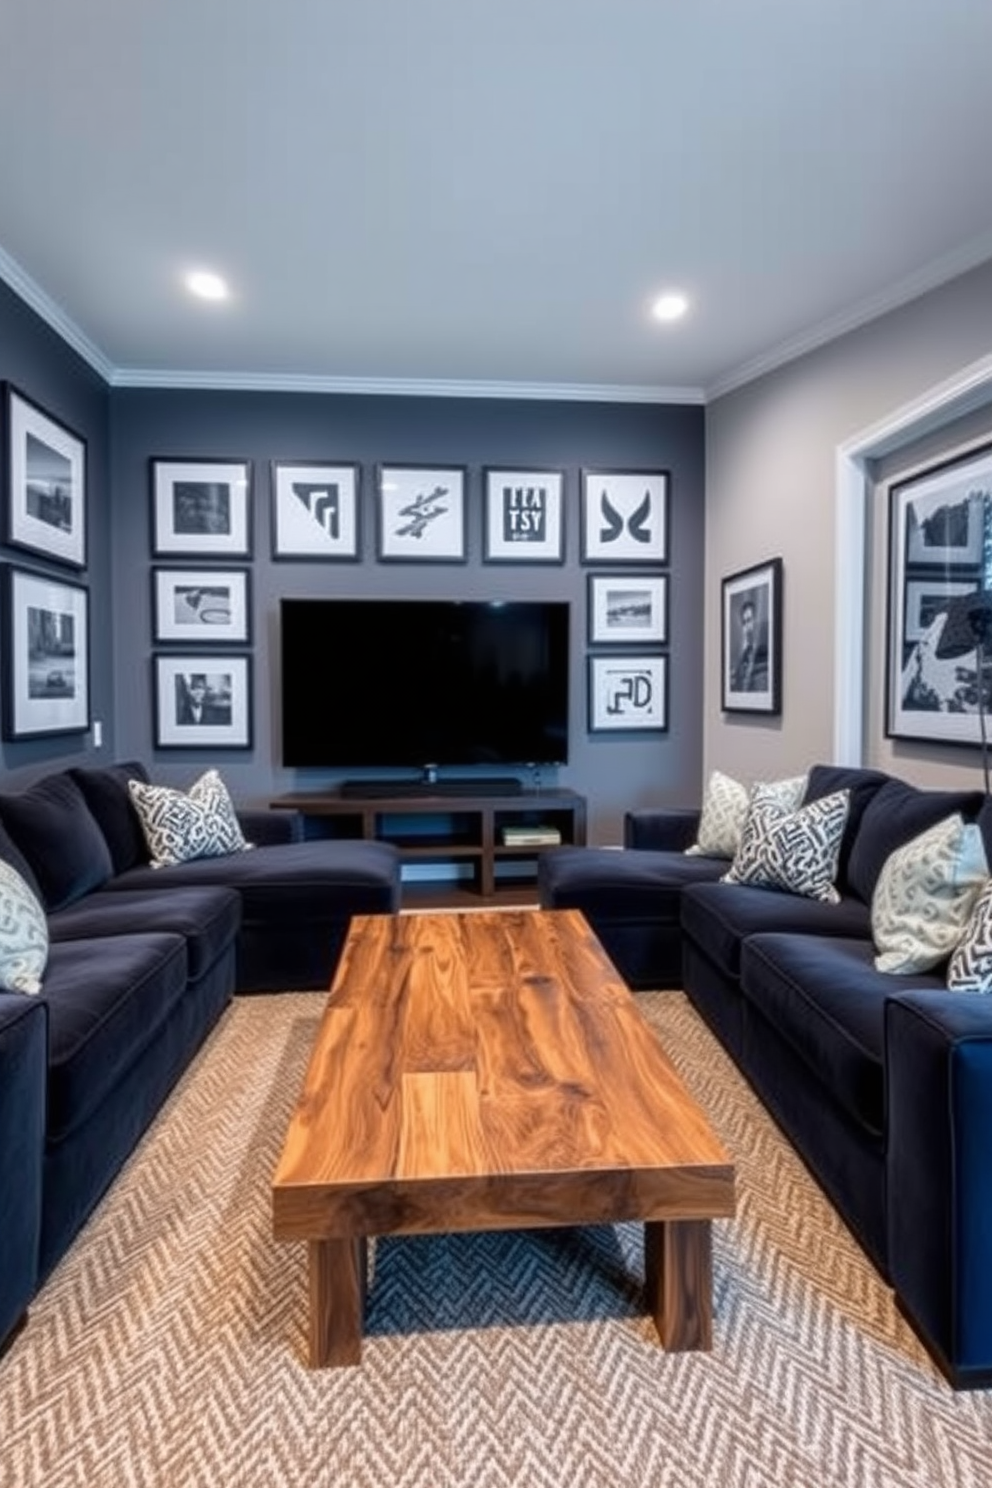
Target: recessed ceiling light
205, 285
670, 306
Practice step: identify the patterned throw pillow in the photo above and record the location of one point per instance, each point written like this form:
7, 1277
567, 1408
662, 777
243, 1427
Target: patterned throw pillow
971, 965
792, 850
724, 812
925, 894
23, 934
180, 825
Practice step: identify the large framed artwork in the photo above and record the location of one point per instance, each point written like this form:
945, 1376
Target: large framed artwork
524, 518
624, 516
751, 640
200, 605
44, 482
628, 693
940, 558
202, 702
422, 514
201, 508
315, 511
628, 609
45, 655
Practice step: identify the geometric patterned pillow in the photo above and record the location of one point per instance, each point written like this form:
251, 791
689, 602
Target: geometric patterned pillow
792, 850
182, 825
925, 894
725, 808
23, 934
971, 965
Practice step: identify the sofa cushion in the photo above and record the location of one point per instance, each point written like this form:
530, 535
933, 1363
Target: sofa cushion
895, 814
605, 884
180, 826
862, 786
925, 894
207, 917
971, 964
56, 832
109, 800
23, 934
792, 850
717, 917
825, 998
107, 999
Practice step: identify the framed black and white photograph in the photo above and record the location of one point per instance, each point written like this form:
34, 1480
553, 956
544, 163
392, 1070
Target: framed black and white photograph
315, 511
45, 656
45, 483
201, 508
628, 693
524, 516
625, 516
422, 513
940, 575
751, 640
628, 609
202, 702
201, 605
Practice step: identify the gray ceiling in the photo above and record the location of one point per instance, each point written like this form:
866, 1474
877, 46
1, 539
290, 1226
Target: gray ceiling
487, 191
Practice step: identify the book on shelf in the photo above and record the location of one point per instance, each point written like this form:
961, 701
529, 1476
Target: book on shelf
536, 836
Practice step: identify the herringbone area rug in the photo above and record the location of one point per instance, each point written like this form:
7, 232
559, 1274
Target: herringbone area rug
168, 1349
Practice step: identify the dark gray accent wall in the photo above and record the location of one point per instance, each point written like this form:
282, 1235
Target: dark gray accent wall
35, 359
614, 772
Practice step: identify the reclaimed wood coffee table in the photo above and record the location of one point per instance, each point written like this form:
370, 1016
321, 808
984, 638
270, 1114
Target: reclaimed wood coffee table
490, 1071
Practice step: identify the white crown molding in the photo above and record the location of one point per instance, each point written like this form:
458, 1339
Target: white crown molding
260, 382
941, 271
32, 294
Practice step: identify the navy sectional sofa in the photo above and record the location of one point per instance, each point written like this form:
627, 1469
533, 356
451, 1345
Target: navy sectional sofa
142, 963
882, 1083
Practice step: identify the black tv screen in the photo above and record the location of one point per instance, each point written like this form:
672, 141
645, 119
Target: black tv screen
421, 682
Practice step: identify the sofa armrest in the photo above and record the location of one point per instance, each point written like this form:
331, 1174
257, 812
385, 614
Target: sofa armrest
23, 1096
938, 1076
669, 830
268, 828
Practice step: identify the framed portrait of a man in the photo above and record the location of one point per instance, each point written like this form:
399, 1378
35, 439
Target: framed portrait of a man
751, 635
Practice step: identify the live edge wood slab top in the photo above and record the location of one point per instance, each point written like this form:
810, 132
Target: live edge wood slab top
490, 1070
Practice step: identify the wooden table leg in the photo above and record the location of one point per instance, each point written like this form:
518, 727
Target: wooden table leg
337, 1300
678, 1268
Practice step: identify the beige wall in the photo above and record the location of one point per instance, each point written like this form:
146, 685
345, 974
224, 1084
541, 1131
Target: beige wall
771, 483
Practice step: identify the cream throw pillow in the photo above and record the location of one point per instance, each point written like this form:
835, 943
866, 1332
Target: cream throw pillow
182, 825
23, 934
725, 807
925, 895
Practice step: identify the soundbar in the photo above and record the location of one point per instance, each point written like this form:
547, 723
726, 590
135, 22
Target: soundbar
397, 790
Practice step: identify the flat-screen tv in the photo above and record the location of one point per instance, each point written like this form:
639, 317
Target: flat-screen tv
396, 682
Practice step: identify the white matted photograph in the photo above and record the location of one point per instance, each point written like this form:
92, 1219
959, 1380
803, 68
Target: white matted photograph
202, 702
524, 517
45, 483
194, 605
624, 516
751, 639
45, 655
628, 693
628, 609
201, 508
315, 511
422, 513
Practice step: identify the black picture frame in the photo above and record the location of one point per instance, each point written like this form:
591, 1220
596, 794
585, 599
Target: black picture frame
201, 508
627, 609
624, 517
316, 511
201, 606
46, 663
202, 701
939, 550
751, 639
627, 693
44, 482
421, 514
523, 515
